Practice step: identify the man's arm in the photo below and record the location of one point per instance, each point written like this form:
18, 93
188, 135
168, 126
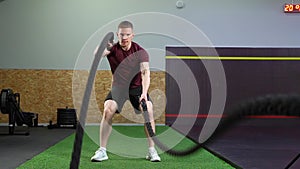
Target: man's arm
145, 71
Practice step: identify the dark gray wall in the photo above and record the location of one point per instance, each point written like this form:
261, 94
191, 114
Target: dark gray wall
49, 34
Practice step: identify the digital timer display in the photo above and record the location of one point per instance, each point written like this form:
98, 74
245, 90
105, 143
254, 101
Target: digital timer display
291, 8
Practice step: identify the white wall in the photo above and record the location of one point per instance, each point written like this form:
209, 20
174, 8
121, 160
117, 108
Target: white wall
49, 34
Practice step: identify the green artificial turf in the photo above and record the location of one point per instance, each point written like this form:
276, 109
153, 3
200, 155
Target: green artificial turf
59, 156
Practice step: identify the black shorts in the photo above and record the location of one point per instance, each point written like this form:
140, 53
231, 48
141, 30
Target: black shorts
121, 95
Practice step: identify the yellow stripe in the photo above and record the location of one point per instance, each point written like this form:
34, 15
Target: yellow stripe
232, 58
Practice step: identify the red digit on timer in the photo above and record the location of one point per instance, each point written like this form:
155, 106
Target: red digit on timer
288, 8
291, 8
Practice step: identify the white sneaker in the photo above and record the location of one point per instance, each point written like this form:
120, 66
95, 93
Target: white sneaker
153, 156
100, 155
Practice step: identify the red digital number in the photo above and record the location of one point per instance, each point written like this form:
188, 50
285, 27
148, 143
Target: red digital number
292, 8
289, 8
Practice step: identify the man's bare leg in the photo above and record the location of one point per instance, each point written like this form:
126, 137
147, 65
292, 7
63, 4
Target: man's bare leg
110, 108
152, 156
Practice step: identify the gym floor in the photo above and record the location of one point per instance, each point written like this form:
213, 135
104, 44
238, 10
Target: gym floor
261, 143
252, 143
258, 143
17, 149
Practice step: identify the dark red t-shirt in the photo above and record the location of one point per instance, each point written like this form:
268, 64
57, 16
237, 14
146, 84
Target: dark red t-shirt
125, 65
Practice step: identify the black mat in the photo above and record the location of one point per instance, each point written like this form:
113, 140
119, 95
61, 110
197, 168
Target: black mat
260, 144
17, 149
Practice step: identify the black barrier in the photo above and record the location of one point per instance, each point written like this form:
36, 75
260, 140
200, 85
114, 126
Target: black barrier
251, 72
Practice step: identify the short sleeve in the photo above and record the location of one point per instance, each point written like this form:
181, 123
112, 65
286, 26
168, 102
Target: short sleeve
144, 57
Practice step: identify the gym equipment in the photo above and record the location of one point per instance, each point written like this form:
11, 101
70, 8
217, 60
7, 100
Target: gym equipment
10, 104
31, 119
66, 118
85, 102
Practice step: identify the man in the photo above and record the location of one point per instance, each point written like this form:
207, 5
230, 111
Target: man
129, 64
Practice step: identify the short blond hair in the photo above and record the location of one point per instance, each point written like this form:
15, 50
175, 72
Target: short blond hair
125, 24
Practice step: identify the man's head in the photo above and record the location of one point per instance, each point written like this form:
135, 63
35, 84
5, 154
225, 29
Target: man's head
125, 34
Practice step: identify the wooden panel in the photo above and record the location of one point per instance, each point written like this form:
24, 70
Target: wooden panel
43, 91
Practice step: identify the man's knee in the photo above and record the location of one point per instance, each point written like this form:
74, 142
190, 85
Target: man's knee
149, 106
110, 108
150, 110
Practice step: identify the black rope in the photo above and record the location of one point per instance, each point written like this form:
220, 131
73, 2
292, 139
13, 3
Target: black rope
286, 105
85, 102
278, 105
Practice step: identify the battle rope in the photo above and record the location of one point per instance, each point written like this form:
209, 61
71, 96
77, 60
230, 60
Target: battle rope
85, 102
285, 105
